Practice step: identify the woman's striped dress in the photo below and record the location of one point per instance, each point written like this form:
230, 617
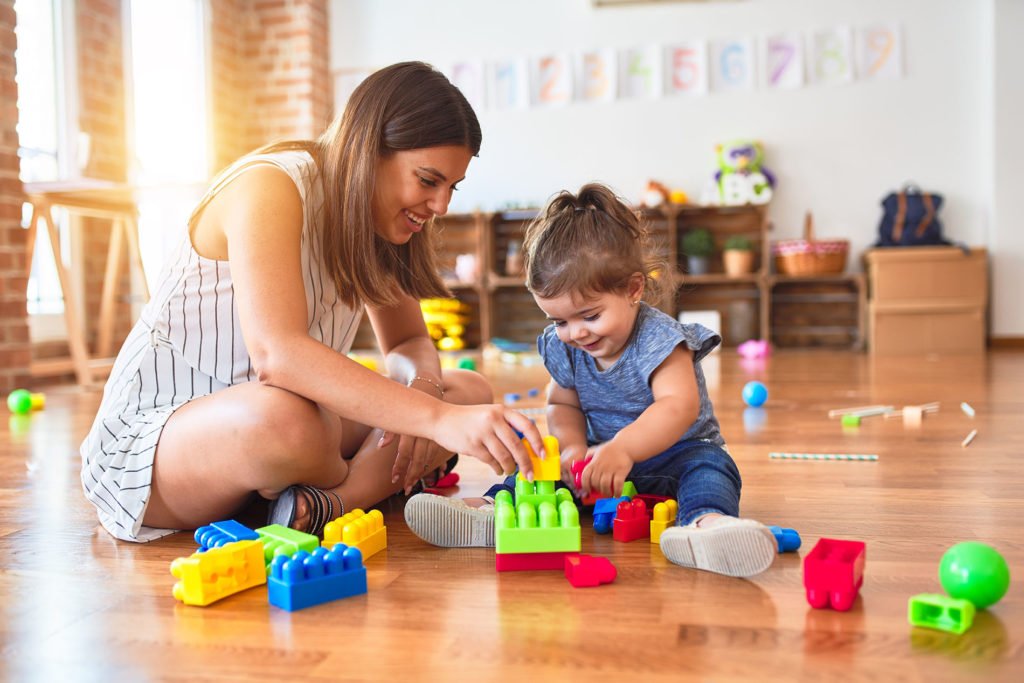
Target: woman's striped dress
186, 344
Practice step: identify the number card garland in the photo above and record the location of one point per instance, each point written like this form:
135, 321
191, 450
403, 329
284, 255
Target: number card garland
777, 61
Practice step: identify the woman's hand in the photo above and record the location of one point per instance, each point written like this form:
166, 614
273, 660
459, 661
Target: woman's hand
608, 470
415, 454
488, 433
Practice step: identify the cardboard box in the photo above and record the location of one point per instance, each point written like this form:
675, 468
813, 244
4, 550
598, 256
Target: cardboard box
928, 275
927, 300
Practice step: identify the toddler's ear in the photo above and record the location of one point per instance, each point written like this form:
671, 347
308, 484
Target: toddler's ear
637, 281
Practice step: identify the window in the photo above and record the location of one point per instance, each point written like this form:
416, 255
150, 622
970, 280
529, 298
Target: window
45, 116
167, 114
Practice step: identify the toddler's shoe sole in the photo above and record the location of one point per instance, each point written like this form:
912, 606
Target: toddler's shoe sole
733, 547
450, 523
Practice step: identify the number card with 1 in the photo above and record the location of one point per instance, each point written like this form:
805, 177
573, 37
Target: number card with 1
510, 84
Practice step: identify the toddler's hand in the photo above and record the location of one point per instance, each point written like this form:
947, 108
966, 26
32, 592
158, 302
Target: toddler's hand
608, 470
569, 456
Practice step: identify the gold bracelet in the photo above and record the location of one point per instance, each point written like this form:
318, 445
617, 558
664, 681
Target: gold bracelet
428, 381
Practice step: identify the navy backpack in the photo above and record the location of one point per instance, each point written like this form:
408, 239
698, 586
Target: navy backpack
911, 218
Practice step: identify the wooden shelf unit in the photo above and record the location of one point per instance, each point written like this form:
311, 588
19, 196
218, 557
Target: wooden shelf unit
826, 310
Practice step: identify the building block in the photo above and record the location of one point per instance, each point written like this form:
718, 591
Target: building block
520, 562
663, 517
604, 513
204, 578
577, 470
650, 500
788, 540
524, 528
834, 573
358, 529
548, 468
631, 521
931, 610
280, 540
629, 490
305, 579
221, 533
585, 571
535, 493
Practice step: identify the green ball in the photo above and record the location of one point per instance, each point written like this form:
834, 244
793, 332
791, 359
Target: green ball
975, 572
19, 401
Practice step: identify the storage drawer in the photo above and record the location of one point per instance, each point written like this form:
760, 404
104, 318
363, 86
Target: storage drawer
928, 275
908, 331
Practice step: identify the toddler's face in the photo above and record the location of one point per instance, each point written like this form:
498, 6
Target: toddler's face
599, 324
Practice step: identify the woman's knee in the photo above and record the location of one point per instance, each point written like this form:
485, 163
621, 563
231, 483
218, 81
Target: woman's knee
291, 425
466, 387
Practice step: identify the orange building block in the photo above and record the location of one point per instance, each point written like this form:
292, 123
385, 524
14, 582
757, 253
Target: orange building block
358, 529
204, 578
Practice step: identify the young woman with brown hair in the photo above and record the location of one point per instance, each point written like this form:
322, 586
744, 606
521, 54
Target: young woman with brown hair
235, 382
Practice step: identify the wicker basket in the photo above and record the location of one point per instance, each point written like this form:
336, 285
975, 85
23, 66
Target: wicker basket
808, 256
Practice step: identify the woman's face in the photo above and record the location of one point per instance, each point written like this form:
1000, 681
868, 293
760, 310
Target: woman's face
415, 185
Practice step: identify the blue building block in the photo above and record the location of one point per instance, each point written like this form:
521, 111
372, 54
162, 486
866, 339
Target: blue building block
788, 539
305, 579
604, 513
512, 397
221, 533
533, 393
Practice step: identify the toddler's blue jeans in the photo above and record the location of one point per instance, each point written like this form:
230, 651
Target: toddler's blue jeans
701, 476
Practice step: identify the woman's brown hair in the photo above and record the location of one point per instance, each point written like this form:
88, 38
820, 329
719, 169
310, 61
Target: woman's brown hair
401, 107
590, 242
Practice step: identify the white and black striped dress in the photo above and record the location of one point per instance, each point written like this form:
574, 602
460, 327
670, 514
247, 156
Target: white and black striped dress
186, 344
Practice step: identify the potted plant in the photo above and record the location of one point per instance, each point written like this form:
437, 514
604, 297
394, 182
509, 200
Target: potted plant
738, 256
698, 247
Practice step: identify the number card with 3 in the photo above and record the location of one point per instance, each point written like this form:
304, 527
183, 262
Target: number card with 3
596, 76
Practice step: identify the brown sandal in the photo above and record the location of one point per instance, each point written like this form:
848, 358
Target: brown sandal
318, 503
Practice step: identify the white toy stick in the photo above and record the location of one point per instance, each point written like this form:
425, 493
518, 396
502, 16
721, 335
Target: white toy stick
969, 438
861, 411
967, 409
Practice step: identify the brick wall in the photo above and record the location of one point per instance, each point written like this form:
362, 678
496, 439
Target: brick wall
101, 115
14, 346
270, 73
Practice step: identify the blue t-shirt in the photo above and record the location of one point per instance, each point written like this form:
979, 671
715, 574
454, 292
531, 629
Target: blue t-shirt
614, 398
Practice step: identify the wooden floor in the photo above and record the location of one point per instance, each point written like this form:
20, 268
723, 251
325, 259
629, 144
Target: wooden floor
78, 605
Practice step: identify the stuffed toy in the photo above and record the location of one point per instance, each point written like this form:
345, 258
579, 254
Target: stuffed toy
740, 179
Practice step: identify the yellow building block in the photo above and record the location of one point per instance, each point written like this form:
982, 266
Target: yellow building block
664, 518
548, 468
206, 577
358, 529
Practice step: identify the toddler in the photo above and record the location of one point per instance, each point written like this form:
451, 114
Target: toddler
627, 390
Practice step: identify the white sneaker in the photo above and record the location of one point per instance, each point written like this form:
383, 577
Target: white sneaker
449, 522
729, 546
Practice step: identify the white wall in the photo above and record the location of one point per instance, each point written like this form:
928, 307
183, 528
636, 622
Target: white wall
835, 150
1007, 239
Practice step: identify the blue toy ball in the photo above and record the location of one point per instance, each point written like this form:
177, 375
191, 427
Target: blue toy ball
755, 394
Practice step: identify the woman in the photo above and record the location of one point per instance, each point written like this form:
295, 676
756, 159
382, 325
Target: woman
235, 379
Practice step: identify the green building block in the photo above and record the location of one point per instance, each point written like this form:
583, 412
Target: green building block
931, 610
280, 540
851, 420
535, 492
629, 490
546, 528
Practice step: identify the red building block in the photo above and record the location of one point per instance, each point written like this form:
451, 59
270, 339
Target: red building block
631, 521
834, 573
650, 500
523, 562
585, 571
